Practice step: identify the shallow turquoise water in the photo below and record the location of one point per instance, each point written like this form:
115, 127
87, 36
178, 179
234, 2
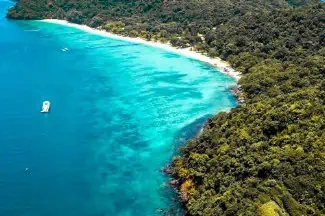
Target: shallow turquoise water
119, 112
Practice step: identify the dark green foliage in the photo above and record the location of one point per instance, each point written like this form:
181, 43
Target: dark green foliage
267, 156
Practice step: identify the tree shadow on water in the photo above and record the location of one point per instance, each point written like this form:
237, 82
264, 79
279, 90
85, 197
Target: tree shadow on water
189, 131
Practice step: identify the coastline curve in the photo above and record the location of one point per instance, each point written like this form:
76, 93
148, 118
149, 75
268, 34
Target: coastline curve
219, 64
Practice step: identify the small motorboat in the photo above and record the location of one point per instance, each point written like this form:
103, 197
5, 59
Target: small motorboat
65, 49
46, 107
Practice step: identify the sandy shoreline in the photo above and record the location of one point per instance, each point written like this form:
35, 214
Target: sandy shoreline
221, 65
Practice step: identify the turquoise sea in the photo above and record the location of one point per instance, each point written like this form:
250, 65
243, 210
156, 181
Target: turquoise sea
119, 112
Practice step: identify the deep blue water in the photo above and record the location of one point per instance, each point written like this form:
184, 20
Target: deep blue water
119, 111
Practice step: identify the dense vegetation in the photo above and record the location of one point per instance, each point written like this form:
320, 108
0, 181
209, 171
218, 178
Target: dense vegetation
267, 156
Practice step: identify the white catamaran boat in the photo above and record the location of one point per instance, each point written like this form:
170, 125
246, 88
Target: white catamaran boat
46, 107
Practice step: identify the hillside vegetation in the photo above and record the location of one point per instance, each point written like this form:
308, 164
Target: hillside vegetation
267, 156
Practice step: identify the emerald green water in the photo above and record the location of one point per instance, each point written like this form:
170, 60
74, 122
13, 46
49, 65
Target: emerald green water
119, 112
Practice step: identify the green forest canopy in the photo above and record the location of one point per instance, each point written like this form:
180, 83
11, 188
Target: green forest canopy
267, 156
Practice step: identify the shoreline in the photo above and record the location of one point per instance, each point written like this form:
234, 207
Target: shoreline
219, 64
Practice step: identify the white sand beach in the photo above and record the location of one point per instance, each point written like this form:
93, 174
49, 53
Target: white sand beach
221, 65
